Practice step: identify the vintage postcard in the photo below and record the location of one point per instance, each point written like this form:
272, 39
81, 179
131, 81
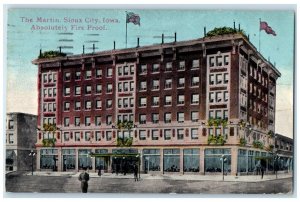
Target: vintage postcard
149, 101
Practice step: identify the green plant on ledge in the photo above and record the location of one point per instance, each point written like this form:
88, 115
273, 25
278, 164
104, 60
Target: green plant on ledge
51, 54
216, 140
243, 142
127, 125
242, 123
124, 142
49, 142
271, 134
224, 30
217, 122
49, 127
258, 144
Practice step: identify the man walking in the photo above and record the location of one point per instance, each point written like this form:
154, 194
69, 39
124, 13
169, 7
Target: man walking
135, 170
84, 178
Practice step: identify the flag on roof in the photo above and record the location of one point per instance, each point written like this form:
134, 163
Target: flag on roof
133, 18
267, 28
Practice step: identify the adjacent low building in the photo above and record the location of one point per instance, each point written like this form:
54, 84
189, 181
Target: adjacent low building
20, 141
175, 107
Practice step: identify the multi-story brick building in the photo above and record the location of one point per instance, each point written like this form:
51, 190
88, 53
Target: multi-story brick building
184, 99
20, 141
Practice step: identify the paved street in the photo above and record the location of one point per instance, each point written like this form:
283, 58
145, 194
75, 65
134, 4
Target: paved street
110, 183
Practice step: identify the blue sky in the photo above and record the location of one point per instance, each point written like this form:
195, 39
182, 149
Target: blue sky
23, 44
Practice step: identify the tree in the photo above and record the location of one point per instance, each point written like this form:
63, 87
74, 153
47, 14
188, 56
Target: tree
224, 30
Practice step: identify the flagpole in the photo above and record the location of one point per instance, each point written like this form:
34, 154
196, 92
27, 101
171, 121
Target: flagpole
259, 36
126, 30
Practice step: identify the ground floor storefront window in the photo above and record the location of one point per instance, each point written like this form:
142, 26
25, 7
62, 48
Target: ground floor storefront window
69, 159
101, 162
48, 159
171, 160
191, 160
10, 159
213, 160
151, 159
84, 159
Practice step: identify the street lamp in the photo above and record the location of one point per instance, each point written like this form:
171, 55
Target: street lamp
32, 154
223, 159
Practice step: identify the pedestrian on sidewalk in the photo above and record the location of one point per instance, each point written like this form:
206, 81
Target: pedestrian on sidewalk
135, 171
262, 172
84, 177
99, 171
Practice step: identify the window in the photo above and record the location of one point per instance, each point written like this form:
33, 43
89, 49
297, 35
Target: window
167, 134
87, 136
126, 86
77, 136
109, 103
168, 100
54, 92
218, 114
180, 134
77, 105
219, 78
98, 88
155, 101
143, 102
195, 98
155, 118
98, 135
77, 90
155, 134
120, 71
155, 68
109, 88
88, 105
11, 138
125, 102
142, 134
211, 79
143, 85
44, 107
50, 107
211, 114
219, 61
219, 96
50, 92
77, 121
225, 96
45, 93
50, 77
67, 91
126, 70
66, 121
98, 104
108, 119
120, 87
66, 136
108, 135
67, 76
109, 72
168, 83
67, 106
226, 77
180, 99
142, 119
211, 61
131, 69
88, 89
226, 60
155, 84
45, 78
181, 65
54, 77
87, 121
169, 66
77, 75
195, 81
194, 133
98, 120
88, 74
211, 97
167, 117
98, 73
131, 102
131, 86
180, 117
143, 69
180, 82
194, 116
195, 64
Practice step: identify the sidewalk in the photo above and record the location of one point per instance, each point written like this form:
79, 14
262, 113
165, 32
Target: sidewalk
228, 178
